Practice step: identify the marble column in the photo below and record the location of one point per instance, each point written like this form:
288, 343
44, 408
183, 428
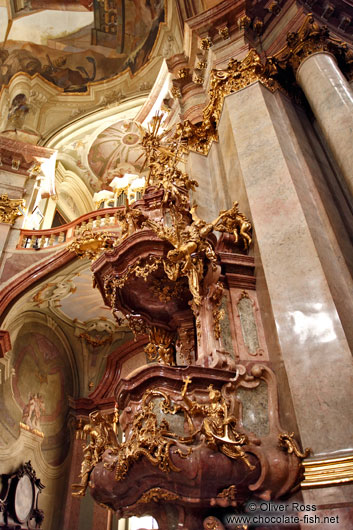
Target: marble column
311, 339
331, 100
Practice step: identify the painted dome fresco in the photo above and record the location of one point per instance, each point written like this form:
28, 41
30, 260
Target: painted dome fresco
74, 42
117, 150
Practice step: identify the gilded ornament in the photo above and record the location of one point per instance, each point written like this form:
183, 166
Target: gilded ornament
224, 32
130, 220
238, 75
183, 73
142, 268
148, 439
190, 248
290, 445
201, 65
234, 222
217, 313
137, 325
175, 92
258, 25
206, 43
218, 426
161, 346
156, 495
10, 209
244, 22
165, 290
275, 7
151, 438
311, 38
212, 523
102, 437
228, 493
198, 80
91, 244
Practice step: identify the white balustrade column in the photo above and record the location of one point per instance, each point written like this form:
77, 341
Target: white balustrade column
331, 100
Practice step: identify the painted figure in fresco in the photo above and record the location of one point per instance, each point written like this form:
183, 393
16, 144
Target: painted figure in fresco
32, 411
17, 61
58, 73
17, 112
55, 71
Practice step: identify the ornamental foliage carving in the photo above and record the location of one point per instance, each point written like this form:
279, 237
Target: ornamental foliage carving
10, 209
312, 38
273, 72
238, 75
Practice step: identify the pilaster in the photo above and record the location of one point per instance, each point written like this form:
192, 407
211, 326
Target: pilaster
311, 337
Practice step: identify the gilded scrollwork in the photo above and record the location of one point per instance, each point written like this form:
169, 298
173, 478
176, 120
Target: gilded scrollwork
164, 155
148, 439
287, 442
130, 220
142, 268
311, 38
151, 437
217, 313
102, 435
166, 290
218, 425
10, 209
161, 346
238, 75
234, 222
91, 244
157, 495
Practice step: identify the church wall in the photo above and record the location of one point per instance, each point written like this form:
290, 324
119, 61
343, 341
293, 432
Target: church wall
35, 413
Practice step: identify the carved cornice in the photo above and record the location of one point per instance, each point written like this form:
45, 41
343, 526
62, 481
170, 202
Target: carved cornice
309, 39
10, 209
22, 157
327, 471
338, 14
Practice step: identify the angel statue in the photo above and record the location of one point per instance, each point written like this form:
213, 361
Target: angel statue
232, 221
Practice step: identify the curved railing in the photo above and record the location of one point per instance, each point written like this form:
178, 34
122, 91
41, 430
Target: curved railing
99, 219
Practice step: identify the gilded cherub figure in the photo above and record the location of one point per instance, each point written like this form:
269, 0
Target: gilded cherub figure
233, 221
190, 247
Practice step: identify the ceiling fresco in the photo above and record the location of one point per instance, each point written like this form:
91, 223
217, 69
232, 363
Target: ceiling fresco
87, 42
22, 7
70, 295
117, 150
